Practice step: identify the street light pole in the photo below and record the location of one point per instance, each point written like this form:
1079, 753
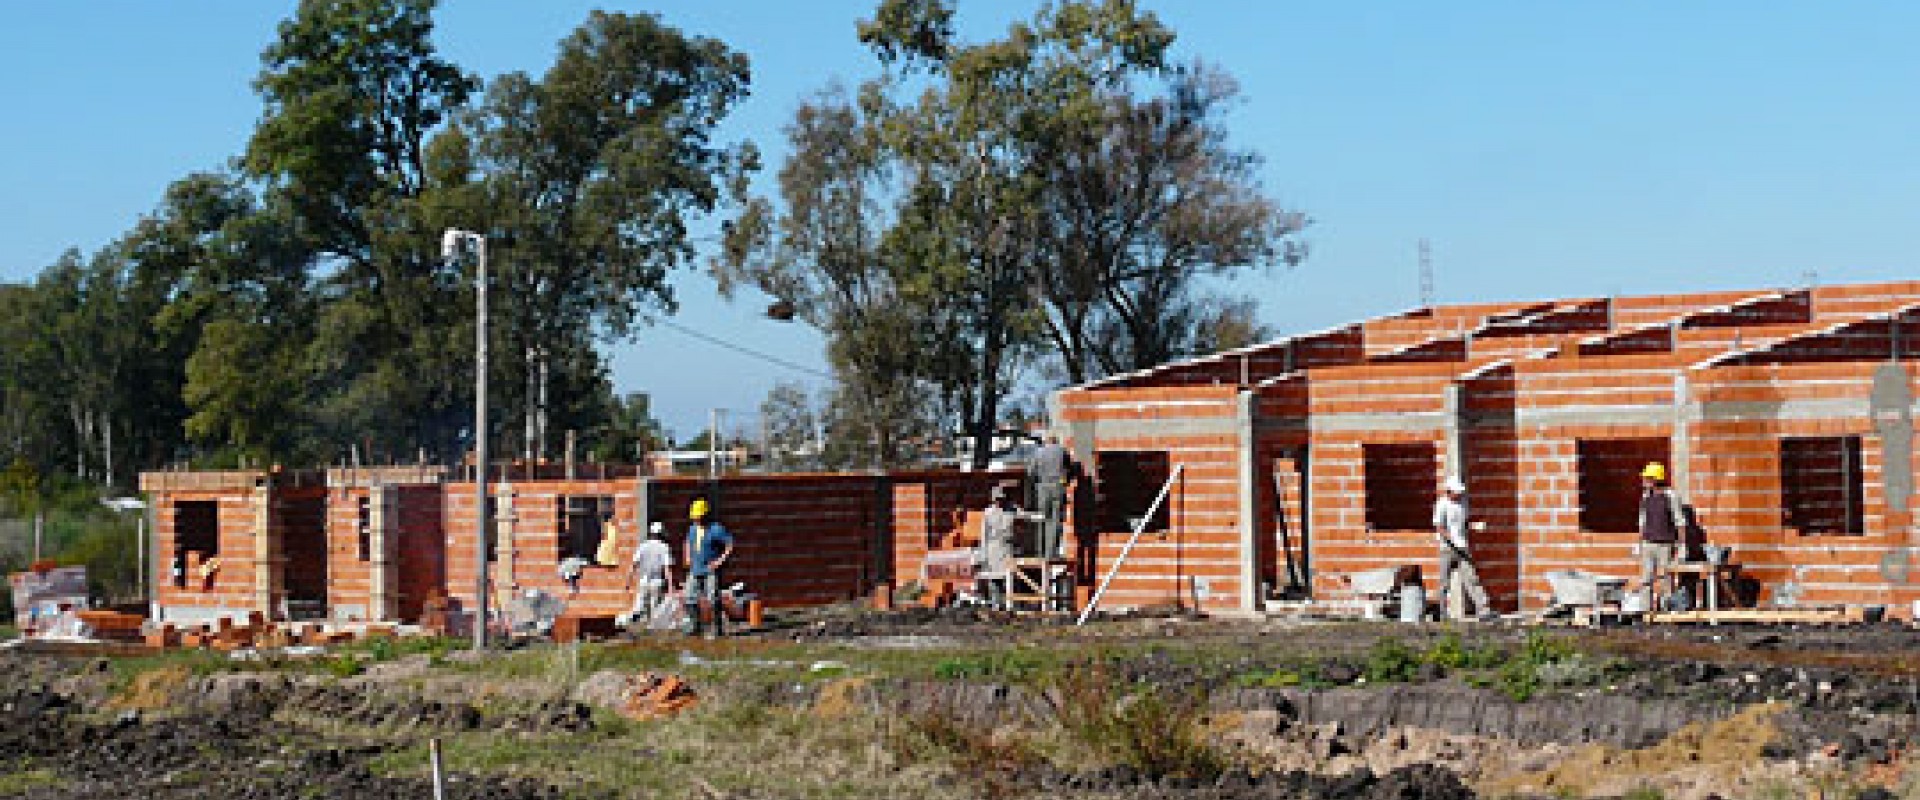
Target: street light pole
449, 245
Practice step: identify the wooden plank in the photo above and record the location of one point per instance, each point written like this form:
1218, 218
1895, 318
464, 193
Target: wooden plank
1765, 616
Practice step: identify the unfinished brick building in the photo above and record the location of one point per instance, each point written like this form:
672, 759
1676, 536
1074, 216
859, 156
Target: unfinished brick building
1786, 417
376, 544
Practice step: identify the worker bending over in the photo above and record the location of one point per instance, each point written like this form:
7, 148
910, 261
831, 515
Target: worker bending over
652, 571
995, 556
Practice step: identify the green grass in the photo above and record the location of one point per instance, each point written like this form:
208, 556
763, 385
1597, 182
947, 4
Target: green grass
15, 783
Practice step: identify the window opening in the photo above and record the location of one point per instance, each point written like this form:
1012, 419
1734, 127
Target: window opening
1821, 485
1609, 479
1400, 482
1129, 481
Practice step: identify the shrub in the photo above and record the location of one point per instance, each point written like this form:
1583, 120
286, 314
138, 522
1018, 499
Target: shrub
997, 763
1156, 732
1542, 660
1390, 661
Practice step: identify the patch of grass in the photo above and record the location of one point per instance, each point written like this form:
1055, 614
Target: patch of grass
390, 648
194, 662
17, 783
344, 665
1451, 653
1644, 792
716, 749
1300, 676
1012, 666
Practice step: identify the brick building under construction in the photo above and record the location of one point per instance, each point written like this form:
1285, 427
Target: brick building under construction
1786, 417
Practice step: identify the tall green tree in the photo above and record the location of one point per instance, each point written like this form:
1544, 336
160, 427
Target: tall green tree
824, 254
354, 89
986, 205
600, 167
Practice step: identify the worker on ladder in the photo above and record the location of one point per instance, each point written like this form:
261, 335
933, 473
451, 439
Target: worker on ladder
1051, 469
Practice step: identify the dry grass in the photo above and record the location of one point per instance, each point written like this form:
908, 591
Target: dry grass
732, 750
153, 690
1719, 756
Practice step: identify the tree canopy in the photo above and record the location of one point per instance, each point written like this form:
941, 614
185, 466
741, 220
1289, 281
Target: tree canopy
1053, 200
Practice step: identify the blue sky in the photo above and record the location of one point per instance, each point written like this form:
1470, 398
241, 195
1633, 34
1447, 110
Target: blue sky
1545, 149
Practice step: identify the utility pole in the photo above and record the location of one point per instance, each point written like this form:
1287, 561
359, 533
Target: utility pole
713, 443
449, 245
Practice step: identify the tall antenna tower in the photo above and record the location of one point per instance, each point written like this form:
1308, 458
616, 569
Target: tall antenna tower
1426, 274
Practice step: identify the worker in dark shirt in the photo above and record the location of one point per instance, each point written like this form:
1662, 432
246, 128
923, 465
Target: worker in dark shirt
1050, 470
1662, 519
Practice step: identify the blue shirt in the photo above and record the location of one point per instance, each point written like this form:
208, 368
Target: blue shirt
708, 547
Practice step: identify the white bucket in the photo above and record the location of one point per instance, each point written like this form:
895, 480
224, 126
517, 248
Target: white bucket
1413, 603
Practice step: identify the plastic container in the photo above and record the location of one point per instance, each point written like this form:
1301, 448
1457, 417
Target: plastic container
1413, 603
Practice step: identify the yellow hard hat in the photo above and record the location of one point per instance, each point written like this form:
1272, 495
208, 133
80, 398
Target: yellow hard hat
1654, 470
699, 509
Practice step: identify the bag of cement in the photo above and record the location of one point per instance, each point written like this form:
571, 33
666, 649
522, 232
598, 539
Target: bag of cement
668, 614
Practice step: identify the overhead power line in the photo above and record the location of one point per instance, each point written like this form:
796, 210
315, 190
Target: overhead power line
744, 350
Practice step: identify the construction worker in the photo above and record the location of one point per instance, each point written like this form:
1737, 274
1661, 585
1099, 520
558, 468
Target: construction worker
995, 555
652, 567
1050, 470
1450, 527
1663, 518
708, 548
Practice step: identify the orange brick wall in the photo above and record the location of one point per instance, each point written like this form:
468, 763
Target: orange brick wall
229, 588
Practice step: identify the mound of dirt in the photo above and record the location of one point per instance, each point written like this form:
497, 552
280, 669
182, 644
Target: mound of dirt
1724, 757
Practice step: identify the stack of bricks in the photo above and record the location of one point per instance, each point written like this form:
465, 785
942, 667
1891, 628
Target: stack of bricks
112, 625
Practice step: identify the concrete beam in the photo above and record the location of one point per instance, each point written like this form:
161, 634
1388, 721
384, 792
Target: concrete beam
1412, 421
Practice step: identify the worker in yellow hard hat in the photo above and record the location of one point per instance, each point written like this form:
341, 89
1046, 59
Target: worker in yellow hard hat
1663, 521
708, 547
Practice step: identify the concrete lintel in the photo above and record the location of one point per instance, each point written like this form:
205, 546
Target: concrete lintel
1596, 415
1434, 421
1280, 425
1108, 429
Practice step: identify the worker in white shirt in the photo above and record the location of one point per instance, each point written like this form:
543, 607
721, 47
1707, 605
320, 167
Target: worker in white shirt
653, 568
1450, 526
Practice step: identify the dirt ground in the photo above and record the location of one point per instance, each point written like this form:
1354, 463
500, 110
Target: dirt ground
850, 703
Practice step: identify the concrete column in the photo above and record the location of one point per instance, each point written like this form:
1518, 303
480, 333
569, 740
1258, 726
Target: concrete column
383, 519
1245, 412
1453, 429
267, 561
504, 522
643, 508
1892, 408
1680, 449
